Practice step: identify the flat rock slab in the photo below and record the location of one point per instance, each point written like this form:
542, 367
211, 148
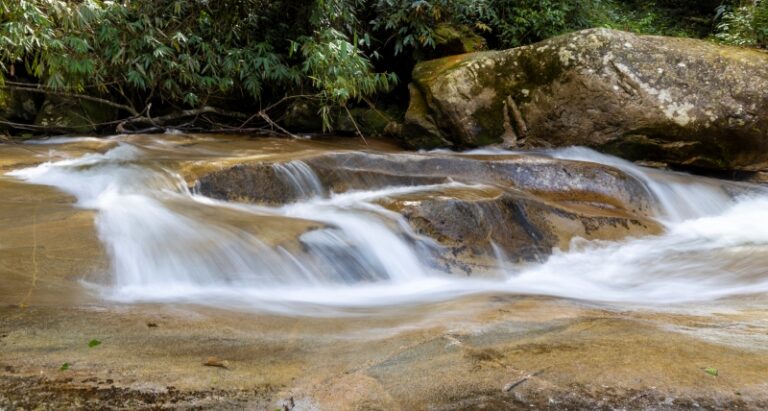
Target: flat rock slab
497, 352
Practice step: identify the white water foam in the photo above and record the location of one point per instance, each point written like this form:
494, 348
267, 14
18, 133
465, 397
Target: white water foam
679, 197
364, 255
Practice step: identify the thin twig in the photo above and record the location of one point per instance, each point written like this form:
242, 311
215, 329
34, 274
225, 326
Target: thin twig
269, 121
360, 133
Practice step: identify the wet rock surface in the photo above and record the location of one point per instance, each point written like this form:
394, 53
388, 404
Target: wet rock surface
679, 101
486, 352
521, 206
490, 350
512, 226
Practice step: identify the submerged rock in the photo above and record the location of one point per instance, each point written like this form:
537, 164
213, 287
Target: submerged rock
679, 101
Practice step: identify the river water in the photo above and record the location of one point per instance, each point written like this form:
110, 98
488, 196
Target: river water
167, 243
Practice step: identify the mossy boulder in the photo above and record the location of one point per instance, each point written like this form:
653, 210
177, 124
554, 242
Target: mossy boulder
420, 129
678, 101
303, 116
19, 106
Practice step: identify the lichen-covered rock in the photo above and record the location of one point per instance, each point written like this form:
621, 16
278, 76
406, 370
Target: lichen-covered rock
679, 101
420, 130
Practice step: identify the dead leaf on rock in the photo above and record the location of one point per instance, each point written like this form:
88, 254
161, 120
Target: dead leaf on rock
216, 362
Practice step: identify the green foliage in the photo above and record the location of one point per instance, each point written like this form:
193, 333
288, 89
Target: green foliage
508, 23
64, 367
661, 17
517, 22
179, 54
188, 52
340, 70
411, 24
93, 343
176, 50
745, 25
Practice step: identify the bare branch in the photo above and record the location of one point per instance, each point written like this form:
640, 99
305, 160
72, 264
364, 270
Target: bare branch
158, 122
351, 118
269, 121
36, 89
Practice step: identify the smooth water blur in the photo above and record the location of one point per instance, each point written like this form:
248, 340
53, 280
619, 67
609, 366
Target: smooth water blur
345, 250
679, 196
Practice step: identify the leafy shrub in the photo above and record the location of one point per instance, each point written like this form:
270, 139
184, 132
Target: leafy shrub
517, 22
181, 54
745, 25
185, 53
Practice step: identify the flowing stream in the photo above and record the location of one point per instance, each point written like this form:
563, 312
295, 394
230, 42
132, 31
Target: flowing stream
167, 243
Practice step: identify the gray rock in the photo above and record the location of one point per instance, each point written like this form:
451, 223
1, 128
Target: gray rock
678, 101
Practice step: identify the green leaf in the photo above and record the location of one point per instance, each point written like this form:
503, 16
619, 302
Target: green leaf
711, 371
64, 366
93, 343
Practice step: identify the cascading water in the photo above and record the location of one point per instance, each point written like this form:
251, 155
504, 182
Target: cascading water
679, 197
300, 177
168, 244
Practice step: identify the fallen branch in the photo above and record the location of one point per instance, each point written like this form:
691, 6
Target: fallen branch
354, 123
509, 387
269, 121
12, 85
33, 127
158, 122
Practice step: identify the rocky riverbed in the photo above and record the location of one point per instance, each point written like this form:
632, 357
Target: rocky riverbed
82, 328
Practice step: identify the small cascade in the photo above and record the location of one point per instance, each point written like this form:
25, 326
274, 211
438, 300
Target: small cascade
300, 177
678, 197
346, 249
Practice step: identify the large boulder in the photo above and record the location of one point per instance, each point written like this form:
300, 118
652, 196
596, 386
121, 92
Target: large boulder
678, 101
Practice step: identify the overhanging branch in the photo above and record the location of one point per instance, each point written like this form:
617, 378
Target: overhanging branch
11, 85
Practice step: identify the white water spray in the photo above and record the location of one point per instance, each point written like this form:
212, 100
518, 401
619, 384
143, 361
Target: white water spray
167, 244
